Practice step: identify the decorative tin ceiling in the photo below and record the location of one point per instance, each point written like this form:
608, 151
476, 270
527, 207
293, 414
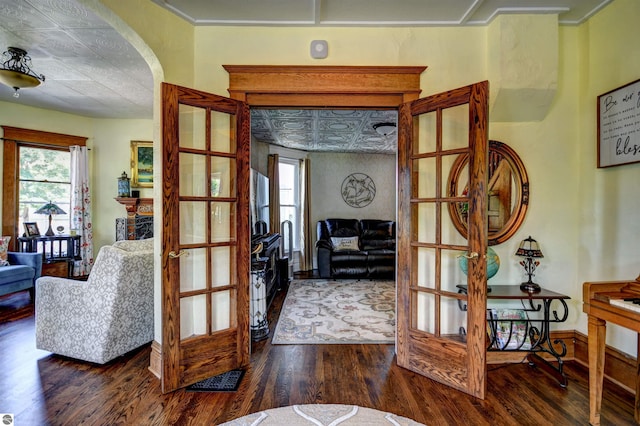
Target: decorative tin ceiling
90, 69
325, 130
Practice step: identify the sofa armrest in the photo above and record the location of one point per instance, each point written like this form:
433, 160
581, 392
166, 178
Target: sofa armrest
324, 244
61, 291
134, 245
64, 308
324, 261
29, 259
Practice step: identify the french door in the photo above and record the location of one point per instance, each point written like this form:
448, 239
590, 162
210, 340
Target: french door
436, 336
205, 235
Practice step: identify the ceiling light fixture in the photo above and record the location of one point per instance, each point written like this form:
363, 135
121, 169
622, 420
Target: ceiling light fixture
16, 70
385, 128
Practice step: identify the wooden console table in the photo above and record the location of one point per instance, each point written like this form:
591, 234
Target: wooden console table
535, 329
54, 249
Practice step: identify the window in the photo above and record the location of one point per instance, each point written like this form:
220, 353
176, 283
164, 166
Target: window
44, 175
36, 170
289, 170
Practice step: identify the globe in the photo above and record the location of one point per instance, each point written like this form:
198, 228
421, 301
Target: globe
493, 263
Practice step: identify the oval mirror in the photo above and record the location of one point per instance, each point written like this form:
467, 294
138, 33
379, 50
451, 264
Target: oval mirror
508, 191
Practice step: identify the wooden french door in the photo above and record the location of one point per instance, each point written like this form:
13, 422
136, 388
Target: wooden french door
205, 235
437, 337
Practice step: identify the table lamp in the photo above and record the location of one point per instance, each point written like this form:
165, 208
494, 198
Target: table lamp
50, 209
530, 250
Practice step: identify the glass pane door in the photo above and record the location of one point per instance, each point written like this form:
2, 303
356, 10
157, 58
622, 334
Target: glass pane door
206, 235
436, 336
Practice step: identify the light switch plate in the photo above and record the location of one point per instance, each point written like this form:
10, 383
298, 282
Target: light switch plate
319, 49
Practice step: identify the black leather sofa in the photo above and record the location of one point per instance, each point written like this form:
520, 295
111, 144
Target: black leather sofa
352, 248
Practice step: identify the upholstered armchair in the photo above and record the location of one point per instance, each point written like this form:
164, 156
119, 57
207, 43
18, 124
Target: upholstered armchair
108, 315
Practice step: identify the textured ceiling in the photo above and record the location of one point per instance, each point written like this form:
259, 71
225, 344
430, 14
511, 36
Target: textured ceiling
92, 71
89, 68
325, 130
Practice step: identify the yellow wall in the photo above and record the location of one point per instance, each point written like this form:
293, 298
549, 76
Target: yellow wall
454, 57
215, 46
168, 37
109, 143
584, 218
553, 148
608, 212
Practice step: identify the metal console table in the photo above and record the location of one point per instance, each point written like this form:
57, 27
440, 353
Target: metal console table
535, 329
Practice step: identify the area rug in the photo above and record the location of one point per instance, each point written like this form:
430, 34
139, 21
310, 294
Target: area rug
322, 415
337, 312
225, 382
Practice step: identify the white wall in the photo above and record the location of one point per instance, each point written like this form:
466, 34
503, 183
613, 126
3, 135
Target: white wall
328, 171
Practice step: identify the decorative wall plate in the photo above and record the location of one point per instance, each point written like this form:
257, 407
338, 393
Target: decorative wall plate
358, 190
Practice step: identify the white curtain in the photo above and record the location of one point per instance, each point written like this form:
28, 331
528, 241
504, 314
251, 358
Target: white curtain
81, 209
273, 172
306, 240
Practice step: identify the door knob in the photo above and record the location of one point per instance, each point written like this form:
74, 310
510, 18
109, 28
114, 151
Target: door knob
472, 255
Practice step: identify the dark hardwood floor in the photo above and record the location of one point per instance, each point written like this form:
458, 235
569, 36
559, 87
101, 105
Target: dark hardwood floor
40, 388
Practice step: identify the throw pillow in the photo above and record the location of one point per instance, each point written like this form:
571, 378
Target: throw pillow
345, 243
4, 246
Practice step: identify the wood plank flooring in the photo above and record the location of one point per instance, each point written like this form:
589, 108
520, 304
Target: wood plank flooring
44, 389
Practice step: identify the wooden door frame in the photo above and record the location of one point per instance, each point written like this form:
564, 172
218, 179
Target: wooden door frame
354, 87
324, 86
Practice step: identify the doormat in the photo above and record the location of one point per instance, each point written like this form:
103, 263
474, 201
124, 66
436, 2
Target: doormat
225, 382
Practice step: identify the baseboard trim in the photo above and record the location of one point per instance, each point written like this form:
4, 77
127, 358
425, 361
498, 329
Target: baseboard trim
619, 367
155, 359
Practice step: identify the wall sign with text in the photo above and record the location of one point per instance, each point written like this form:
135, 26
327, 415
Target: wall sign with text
619, 126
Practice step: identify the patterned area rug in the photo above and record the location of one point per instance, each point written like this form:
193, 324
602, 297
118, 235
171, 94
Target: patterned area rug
337, 312
322, 415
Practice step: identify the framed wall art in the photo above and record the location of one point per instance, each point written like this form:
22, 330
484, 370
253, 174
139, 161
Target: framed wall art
141, 164
358, 190
619, 126
31, 229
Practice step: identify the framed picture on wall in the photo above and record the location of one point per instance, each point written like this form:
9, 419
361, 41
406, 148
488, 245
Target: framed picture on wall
31, 229
142, 164
619, 126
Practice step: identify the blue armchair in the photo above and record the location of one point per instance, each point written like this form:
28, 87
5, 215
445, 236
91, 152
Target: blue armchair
21, 274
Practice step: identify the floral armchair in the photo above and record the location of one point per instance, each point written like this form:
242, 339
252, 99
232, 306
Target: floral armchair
108, 315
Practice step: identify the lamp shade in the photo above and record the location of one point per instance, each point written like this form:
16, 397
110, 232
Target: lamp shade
17, 79
529, 248
50, 208
16, 72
